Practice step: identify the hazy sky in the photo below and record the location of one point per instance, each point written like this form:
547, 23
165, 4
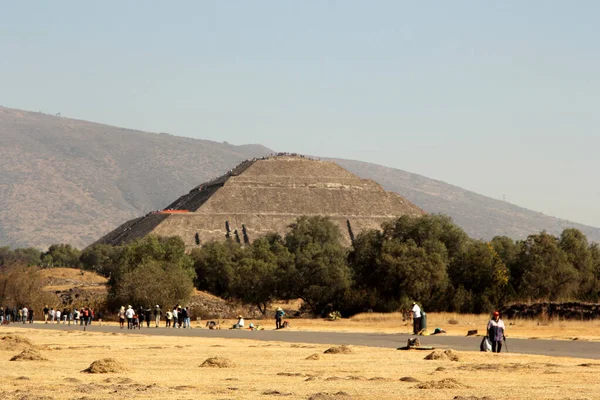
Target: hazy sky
497, 97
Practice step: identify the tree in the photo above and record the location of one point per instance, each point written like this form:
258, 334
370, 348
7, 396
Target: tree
574, 243
320, 275
215, 264
22, 256
100, 258
480, 272
546, 270
61, 255
152, 269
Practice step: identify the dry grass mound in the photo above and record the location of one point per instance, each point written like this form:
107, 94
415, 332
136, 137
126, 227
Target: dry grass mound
16, 342
443, 355
448, 383
29, 355
339, 350
328, 396
314, 356
218, 362
105, 366
409, 379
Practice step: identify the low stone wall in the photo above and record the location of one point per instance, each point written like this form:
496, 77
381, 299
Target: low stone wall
553, 310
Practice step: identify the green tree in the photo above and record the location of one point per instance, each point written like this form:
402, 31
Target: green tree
320, 275
215, 264
547, 272
481, 272
21, 256
61, 255
100, 258
150, 264
574, 243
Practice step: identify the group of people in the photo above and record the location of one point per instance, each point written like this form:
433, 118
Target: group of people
81, 316
14, 314
178, 317
495, 328
78, 316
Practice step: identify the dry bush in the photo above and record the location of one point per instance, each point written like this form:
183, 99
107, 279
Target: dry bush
314, 356
29, 355
218, 362
448, 383
327, 396
344, 349
443, 355
105, 366
453, 321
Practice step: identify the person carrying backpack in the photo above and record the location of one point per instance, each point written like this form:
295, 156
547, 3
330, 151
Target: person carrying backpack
279, 317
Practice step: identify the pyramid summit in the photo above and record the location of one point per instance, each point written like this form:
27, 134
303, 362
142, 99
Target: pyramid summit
266, 195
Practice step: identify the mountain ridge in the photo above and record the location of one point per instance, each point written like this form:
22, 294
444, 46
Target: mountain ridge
72, 181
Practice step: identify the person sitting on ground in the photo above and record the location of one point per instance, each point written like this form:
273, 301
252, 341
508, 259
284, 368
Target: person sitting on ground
495, 331
240, 323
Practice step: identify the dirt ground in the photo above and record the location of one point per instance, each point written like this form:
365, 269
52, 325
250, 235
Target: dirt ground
160, 367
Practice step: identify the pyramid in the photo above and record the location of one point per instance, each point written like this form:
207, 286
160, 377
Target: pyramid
267, 195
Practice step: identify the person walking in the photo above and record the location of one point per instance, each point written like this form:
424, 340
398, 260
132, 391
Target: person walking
175, 317
122, 317
58, 314
495, 331
140, 314
46, 310
30, 315
148, 316
416, 314
129, 314
157, 315
168, 319
279, 317
24, 314
1, 315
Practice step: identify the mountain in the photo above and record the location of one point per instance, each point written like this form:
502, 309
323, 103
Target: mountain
71, 181
480, 216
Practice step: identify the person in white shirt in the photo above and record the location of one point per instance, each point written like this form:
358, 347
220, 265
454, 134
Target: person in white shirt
129, 314
416, 311
57, 313
25, 312
240, 323
52, 314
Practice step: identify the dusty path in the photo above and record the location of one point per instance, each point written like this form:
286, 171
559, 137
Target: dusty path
562, 348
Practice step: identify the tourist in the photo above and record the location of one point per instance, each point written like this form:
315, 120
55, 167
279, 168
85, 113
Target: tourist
495, 331
52, 315
279, 317
240, 323
129, 314
179, 317
175, 317
185, 317
100, 317
122, 317
45, 311
416, 311
23, 315
140, 314
57, 315
29, 316
157, 315
169, 318
148, 316
76, 315
65, 315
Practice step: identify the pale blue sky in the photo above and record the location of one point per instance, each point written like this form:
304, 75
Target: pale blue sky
501, 99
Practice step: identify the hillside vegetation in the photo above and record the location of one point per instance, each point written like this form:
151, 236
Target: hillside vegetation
70, 181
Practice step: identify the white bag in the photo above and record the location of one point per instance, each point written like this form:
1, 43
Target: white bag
486, 344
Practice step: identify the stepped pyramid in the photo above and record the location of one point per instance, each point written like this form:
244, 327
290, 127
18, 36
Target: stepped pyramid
267, 195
